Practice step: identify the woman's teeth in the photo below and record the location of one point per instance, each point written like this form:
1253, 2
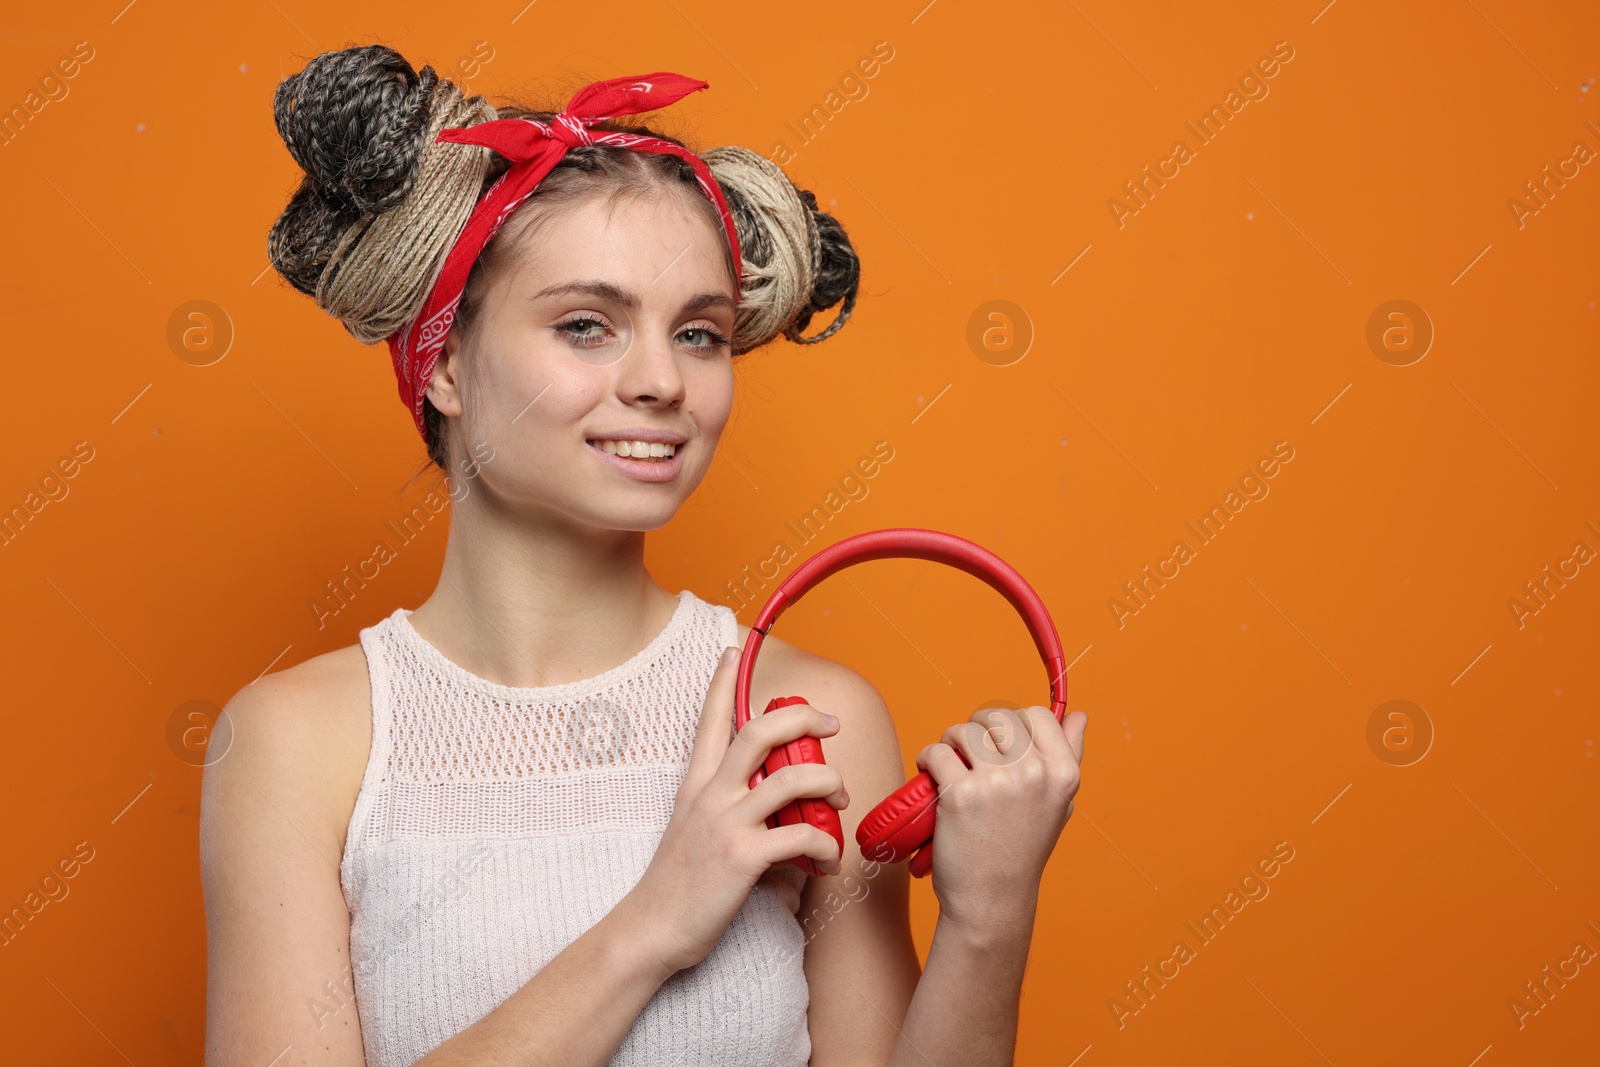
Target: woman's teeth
636, 449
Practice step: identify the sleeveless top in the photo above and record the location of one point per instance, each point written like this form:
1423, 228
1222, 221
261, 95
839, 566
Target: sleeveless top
496, 824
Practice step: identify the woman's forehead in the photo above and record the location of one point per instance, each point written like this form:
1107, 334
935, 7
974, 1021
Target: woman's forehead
654, 243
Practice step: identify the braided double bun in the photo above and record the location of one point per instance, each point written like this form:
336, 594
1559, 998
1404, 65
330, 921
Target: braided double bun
381, 202
797, 259
367, 231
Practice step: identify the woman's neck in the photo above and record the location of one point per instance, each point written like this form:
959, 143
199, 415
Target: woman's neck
538, 606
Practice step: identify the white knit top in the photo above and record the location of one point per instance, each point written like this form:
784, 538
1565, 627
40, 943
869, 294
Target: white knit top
496, 824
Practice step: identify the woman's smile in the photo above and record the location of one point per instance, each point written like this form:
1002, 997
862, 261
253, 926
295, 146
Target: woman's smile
643, 467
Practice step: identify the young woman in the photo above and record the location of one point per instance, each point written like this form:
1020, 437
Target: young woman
514, 825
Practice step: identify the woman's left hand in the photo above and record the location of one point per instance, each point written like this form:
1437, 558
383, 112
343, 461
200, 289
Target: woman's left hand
1006, 779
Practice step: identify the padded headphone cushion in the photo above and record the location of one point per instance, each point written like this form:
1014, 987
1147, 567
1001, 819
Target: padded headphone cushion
814, 810
901, 823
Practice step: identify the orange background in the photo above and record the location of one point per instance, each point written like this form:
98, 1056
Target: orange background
1230, 313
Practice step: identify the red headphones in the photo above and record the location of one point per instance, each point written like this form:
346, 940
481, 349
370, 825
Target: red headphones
903, 823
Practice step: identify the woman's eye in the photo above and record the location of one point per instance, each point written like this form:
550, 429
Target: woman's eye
709, 340
585, 330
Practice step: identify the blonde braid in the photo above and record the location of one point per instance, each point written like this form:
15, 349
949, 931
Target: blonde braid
373, 283
778, 239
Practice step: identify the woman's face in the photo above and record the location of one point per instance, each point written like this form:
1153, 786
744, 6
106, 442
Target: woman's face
613, 320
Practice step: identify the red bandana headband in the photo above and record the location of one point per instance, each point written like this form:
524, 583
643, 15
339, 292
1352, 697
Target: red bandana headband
534, 148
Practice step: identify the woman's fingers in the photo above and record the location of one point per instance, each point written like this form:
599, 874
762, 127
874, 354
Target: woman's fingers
758, 737
943, 764
1051, 737
994, 737
974, 745
1073, 725
790, 783
801, 839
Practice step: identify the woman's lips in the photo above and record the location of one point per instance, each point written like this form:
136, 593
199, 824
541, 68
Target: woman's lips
644, 470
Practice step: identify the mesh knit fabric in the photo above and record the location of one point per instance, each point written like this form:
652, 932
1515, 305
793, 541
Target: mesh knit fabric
496, 824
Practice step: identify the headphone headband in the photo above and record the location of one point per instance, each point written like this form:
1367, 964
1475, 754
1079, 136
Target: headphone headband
911, 543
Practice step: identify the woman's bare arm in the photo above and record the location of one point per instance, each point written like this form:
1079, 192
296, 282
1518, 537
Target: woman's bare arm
576, 1010
278, 980
965, 1009
860, 960
274, 813
868, 1004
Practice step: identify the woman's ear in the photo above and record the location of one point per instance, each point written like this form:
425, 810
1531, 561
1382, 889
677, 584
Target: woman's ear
444, 385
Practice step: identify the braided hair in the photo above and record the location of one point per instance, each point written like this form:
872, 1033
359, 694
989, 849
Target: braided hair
367, 231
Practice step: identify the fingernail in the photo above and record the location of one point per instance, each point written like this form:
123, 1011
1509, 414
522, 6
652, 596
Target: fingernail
832, 721
730, 654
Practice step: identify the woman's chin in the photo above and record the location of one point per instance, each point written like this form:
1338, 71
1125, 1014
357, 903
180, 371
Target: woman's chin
626, 511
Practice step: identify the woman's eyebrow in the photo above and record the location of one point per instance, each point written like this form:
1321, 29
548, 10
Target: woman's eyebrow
608, 291
707, 300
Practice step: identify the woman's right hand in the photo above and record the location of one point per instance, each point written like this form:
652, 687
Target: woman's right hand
717, 843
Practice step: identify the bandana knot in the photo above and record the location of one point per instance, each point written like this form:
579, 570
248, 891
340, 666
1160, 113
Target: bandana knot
571, 130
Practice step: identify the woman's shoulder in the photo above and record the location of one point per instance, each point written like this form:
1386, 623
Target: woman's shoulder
784, 666
274, 811
785, 669
865, 750
302, 736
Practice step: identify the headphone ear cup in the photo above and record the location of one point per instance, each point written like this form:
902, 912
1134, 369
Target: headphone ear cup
901, 823
814, 810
